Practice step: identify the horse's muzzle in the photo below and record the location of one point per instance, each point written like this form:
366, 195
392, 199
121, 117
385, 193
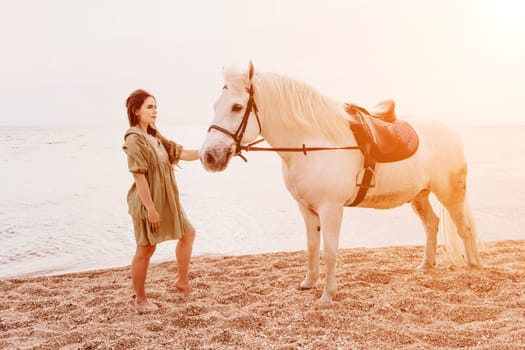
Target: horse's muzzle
216, 159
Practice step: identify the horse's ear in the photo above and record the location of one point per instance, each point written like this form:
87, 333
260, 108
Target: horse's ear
250, 70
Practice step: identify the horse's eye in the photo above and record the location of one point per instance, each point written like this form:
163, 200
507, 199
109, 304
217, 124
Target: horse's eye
236, 107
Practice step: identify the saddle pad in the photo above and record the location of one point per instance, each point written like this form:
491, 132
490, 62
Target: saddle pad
390, 142
405, 146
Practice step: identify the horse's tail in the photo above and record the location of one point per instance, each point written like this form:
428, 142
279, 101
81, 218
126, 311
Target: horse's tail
453, 244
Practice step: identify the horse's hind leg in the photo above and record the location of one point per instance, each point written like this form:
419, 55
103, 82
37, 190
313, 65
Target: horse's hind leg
421, 206
462, 217
311, 220
453, 198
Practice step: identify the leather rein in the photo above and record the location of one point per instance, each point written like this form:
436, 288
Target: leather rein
239, 133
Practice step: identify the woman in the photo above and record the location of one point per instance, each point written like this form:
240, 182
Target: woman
153, 199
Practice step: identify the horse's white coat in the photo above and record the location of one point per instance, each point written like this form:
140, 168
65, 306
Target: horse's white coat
293, 114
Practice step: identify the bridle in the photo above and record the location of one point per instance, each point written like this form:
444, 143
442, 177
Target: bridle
239, 133
368, 169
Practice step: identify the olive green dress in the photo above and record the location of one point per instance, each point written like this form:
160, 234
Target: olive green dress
148, 155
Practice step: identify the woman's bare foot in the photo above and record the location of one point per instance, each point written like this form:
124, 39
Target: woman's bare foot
145, 306
184, 288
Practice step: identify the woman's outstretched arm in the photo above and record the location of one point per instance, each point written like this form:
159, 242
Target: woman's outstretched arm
189, 154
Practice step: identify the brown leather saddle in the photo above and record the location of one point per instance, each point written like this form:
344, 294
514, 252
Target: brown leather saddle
382, 138
389, 139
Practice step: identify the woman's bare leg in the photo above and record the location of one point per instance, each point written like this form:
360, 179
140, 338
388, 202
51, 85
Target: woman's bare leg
183, 254
139, 270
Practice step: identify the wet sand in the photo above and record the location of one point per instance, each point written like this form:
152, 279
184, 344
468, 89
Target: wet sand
253, 302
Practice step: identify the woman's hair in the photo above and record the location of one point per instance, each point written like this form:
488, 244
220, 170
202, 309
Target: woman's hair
133, 104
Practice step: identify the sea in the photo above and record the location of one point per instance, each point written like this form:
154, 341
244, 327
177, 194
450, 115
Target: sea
63, 200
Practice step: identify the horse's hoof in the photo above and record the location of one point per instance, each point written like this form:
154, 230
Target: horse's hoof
326, 298
425, 266
305, 285
474, 266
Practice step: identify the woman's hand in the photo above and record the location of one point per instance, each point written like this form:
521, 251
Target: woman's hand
153, 219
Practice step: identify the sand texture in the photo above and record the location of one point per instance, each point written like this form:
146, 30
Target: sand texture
253, 302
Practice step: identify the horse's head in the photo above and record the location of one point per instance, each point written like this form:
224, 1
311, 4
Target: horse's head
236, 121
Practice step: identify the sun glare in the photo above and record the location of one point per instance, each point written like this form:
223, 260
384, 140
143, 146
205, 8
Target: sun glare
497, 27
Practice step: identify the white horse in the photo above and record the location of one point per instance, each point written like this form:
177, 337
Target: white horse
289, 115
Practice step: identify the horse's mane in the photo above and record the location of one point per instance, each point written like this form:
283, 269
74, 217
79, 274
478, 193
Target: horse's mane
296, 104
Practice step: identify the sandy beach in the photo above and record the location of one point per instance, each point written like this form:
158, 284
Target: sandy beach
252, 301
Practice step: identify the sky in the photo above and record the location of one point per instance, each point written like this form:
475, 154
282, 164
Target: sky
74, 62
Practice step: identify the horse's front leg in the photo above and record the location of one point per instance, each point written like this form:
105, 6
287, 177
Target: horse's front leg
311, 220
331, 217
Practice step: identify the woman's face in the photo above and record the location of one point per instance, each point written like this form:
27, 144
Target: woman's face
148, 111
